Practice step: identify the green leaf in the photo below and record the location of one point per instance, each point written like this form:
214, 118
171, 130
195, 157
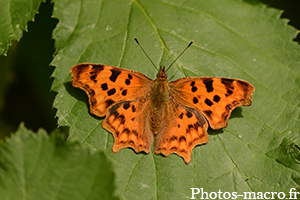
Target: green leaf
13, 21
36, 166
257, 152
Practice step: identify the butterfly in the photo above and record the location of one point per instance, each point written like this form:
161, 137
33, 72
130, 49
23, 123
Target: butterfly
178, 113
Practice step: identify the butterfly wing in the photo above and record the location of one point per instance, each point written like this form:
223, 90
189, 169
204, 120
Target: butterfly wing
129, 123
186, 128
121, 95
215, 98
191, 102
106, 85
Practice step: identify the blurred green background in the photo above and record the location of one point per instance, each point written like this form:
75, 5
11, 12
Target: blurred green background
25, 73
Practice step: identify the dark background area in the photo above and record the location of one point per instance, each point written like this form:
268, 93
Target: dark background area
25, 74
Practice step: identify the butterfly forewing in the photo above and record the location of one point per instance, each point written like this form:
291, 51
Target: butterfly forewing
214, 97
107, 85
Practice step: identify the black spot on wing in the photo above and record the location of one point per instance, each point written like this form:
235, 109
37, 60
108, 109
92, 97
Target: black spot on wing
127, 81
104, 86
93, 78
208, 112
235, 103
208, 84
194, 89
229, 92
173, 138
111, 92
195, 100
217, 98
124, 92
114, 74
113, 110
243, 84
133, 108
189, 127
202, 135
208, 102
173, 149
182, 139
97, 68
231, 105
115, 113
109, 102
227, 82
181, 115
188, 114
80, 69
134, 132
122, 118
126, 131
131, 142
197, 125
126, 105
183, 151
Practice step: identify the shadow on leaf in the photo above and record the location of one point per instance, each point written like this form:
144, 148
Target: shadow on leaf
80, 95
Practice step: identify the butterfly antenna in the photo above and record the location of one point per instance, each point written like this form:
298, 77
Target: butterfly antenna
145, 53
180, 54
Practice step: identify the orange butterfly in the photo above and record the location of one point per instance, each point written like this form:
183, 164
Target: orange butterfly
137, 108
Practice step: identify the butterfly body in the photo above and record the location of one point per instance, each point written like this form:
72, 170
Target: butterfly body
159, 101
178, 113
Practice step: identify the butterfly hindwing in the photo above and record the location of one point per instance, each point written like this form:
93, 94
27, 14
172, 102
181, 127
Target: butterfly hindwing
107, 85
186, 128
214, 97
129, 123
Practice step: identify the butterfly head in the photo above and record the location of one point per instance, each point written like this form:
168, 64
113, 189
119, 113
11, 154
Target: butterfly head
162, 73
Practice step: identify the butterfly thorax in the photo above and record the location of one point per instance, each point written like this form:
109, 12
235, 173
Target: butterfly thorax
159, 101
